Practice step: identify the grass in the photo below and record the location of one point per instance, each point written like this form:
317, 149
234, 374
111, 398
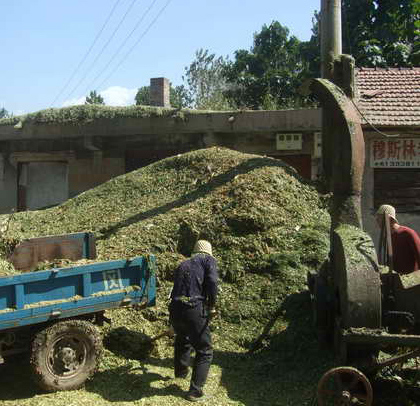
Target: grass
87, 113
285, 373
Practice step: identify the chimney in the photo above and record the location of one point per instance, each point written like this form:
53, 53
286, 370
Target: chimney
159, 92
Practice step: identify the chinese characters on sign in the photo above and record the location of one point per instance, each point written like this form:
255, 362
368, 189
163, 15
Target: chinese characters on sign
112, 279
395, 153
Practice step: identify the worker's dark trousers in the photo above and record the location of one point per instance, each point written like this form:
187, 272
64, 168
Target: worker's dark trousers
191, 331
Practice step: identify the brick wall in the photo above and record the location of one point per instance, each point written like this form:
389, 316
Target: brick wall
159, 92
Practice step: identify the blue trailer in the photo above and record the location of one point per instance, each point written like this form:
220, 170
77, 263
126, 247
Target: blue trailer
54, 313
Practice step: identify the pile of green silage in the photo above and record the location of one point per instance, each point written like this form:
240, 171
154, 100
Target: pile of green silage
267, 225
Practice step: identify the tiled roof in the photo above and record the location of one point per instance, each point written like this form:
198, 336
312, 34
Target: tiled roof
389, 96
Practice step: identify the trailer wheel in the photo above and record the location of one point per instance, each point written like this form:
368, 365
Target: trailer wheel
64, 355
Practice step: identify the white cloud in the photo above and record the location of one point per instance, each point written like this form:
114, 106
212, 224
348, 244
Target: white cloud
118, 96
74, 102
113, 96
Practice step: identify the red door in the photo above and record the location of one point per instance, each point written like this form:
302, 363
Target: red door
302, 163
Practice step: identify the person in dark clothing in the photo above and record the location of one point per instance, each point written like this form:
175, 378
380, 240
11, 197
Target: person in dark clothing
193, 300
405, 242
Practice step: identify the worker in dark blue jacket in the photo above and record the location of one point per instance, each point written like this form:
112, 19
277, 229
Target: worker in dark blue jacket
193, 300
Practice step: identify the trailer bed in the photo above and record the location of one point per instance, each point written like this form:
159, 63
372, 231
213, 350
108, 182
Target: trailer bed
37, 297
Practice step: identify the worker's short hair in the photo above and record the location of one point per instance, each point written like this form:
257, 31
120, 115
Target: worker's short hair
202, 246
388, 209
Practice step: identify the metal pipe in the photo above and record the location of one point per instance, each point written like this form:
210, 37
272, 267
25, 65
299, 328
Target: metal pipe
331, 42
397, 359
368, 336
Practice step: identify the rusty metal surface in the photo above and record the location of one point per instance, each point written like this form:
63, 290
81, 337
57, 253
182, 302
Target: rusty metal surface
343, 139
357, 283
405, 292
344, 386
398, 359
410, 280
29, 253
377, 336
354, 267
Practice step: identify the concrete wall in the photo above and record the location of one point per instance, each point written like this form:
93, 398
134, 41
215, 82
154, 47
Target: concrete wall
87, 173
8, 189
197, 123
98, 151
46, 184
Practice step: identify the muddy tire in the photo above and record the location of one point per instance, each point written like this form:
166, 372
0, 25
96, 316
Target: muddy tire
64, 355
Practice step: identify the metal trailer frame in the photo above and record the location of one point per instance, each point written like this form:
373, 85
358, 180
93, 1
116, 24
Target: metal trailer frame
52, 314
42, 296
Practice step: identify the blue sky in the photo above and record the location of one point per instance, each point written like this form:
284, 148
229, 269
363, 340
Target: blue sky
44, 41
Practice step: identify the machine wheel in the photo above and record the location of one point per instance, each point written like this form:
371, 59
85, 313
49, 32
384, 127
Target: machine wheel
344, 386
64, 355
357, 291
357, 284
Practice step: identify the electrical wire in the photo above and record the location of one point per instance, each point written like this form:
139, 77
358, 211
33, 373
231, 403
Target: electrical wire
102, 50
121, 46
136, 43
373, 127
87, 53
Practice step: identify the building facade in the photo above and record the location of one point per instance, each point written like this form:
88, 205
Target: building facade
389, 103
44, 161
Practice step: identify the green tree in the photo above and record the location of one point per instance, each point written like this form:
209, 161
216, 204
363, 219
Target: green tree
178, 96
382, 32
269, 75
311, 50
205, 82
94, 98
142, 97
3, 113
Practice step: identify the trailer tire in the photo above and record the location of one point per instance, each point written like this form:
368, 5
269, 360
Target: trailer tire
65, 354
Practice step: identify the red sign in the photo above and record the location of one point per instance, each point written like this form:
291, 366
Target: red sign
395, 153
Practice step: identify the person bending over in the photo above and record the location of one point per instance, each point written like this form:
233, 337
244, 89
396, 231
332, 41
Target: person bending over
405, 241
